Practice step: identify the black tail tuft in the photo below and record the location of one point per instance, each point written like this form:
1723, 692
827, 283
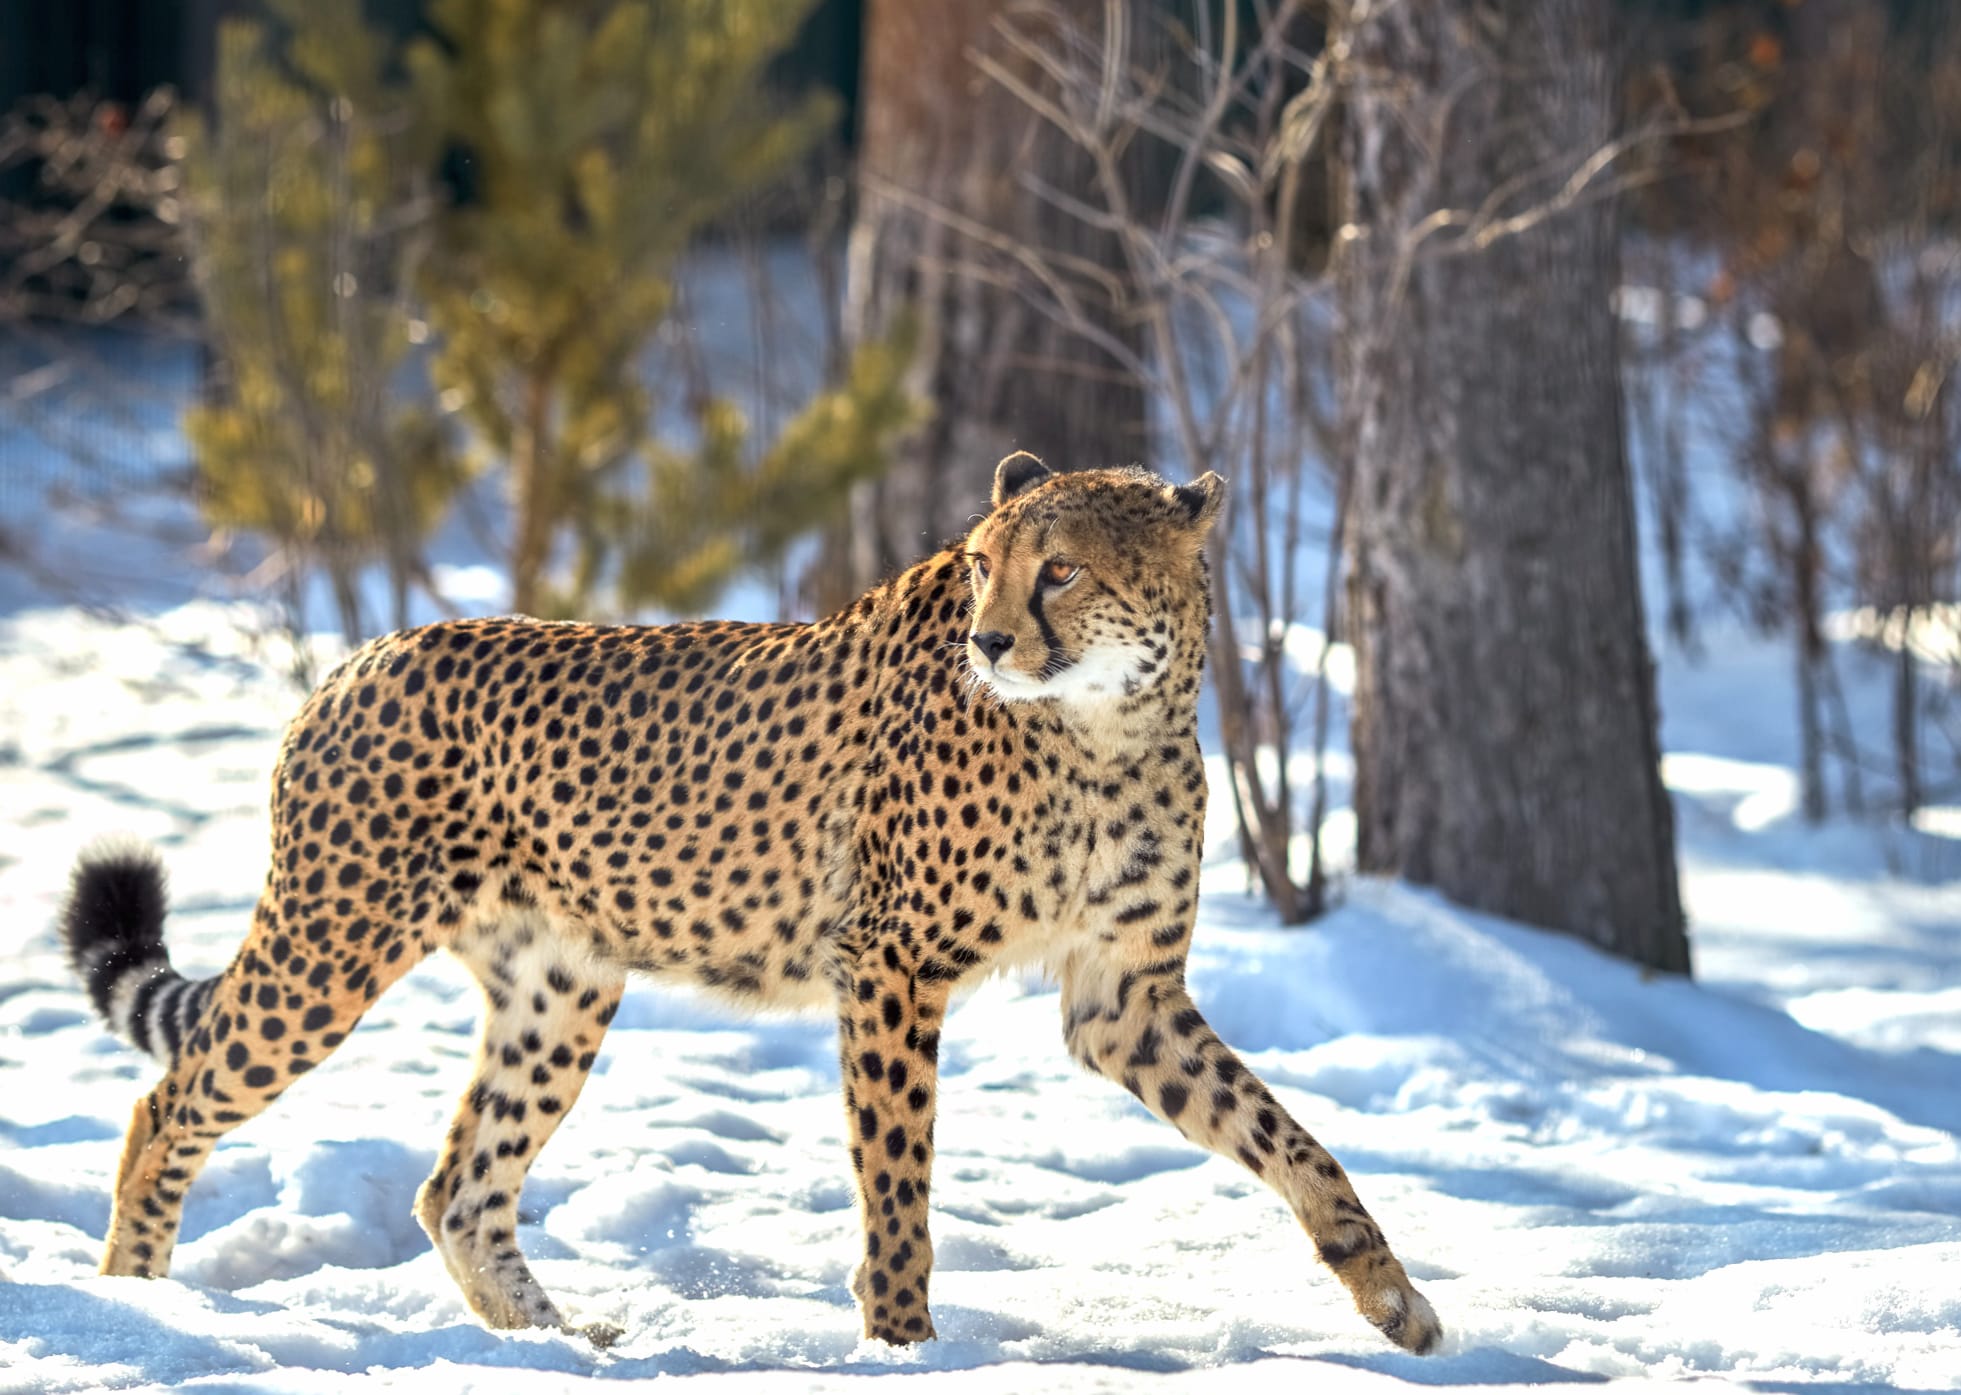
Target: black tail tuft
113, 917
112, 922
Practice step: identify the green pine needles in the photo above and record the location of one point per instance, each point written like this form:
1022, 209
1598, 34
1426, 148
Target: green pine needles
516, 190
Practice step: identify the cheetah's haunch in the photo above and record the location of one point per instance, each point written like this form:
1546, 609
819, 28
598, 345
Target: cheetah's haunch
992, 758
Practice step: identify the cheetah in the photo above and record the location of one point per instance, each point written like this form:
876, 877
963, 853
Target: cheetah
991, 759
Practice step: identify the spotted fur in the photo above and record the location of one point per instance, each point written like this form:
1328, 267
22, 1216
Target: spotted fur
991, 759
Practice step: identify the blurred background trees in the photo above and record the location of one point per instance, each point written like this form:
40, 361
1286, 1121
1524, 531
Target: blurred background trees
419, 262
618, 295
591, 144
960, 185
1807, 279
309, 214
1199, 147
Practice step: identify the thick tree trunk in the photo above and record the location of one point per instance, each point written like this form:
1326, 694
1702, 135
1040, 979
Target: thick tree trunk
1504, 723
941, 153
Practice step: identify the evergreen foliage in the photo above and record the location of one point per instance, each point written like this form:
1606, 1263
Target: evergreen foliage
587, 145
306, 226
705, 515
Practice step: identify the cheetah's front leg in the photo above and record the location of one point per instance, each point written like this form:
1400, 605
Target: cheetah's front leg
1144, 1032
888, 1042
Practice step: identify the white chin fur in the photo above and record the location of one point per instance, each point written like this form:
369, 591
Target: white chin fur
1099, 676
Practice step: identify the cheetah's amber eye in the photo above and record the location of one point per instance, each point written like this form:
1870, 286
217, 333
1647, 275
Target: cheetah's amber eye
980, 566
1058, 572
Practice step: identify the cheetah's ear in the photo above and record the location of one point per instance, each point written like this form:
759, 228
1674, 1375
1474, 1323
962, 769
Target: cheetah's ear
1201, 499
1018, 472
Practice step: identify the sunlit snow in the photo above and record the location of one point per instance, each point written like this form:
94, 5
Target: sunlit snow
1592, 1174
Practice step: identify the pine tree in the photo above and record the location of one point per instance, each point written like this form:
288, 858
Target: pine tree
301, 206
704, 516
587, 145
598, 138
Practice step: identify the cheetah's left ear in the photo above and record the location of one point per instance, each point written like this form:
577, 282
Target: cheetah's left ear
1017, 472
1201, 499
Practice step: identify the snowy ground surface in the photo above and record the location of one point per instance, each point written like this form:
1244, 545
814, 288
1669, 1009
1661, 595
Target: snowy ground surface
1754, 1179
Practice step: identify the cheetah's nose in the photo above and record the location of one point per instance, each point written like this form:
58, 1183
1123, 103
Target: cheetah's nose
994, 643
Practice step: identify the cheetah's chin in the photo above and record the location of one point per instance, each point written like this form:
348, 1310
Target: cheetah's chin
1091, 681
1009, 686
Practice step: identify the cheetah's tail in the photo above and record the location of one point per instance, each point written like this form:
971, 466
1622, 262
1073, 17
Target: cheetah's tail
112, 922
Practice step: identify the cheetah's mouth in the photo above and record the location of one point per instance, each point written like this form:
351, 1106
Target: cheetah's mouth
1006, 683
1093, 675
1019, 682
1005, 677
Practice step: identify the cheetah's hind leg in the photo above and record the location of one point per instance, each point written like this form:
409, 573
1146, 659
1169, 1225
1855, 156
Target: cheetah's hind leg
229, 1045
547, 1005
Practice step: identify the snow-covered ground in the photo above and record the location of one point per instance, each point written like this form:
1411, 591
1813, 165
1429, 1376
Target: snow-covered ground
1593, 1175
1754, 1179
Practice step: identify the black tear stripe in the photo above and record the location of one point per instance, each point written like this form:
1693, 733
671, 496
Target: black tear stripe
1059, 659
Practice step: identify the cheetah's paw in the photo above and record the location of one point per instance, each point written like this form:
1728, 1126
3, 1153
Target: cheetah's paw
1406, 1318
601, 1334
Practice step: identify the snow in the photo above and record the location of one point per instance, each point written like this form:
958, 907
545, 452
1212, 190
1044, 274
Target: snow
1753, 1180
1594, 1175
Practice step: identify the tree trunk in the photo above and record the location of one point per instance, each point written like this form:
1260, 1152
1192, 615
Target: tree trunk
1906, 718
1504, 720
1807, 565
535, 521
942, 149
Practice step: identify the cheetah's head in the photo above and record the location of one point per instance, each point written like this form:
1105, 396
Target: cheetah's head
1089, 585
